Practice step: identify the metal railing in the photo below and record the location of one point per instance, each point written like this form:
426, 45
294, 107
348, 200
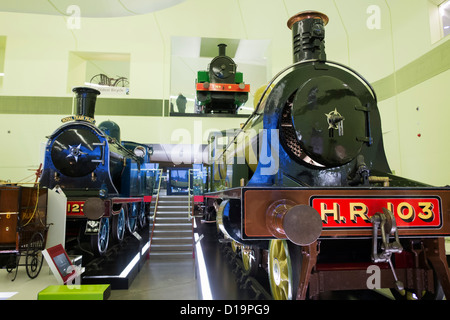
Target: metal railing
190, 216
153, 218
157, 195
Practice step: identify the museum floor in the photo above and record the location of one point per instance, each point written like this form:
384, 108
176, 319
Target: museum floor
169, 279
157, 280
162, 280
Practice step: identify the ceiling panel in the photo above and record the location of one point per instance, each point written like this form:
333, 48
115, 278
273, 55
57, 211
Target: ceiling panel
88, 8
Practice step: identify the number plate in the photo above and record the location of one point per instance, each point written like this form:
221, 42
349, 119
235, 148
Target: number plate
355, 212
75, 208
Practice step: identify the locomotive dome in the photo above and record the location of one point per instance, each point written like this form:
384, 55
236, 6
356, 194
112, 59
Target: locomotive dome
111, 129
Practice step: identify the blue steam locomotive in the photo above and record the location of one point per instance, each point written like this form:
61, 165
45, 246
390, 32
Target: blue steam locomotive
108, 182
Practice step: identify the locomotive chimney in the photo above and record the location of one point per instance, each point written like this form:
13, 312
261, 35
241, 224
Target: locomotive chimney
222, 48
308, 35
85, 101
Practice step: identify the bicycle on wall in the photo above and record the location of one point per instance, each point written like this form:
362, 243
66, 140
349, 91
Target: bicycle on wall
104, 80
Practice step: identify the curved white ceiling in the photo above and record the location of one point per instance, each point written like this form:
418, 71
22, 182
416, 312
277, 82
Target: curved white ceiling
87, 8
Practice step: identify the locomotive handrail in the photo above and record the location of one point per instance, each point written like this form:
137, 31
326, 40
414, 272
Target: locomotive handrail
102, 145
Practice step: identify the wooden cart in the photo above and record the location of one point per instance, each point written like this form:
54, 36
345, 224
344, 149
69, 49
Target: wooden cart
23, 228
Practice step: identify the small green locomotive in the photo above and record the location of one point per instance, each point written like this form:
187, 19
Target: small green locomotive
221, 89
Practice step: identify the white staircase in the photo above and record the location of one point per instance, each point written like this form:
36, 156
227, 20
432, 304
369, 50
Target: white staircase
172, 233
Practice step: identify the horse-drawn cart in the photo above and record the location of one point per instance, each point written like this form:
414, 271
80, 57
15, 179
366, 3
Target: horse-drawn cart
23, 228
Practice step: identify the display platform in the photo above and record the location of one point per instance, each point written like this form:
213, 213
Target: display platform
121, 263
76, 292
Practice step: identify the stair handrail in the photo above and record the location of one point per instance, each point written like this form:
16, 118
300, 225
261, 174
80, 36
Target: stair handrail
189, 194
157, 195
191, 216
154, 212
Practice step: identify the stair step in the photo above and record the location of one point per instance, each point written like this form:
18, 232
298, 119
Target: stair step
177, 198
180, 238
173, 220
172, 208
171, 216
172, 240
181, 225
172, 233
172, 247
174, 202
173, 211
170, 255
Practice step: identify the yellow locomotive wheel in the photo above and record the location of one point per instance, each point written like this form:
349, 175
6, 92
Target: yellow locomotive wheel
284, 259
234, 246
247, 259
250, 260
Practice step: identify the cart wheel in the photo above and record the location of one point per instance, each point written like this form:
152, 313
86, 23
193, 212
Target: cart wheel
34, 257
13, 265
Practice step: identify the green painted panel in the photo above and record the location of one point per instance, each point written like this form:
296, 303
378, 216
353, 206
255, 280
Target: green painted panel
420, 70
239, 77
35, 105
202, 76
63, 106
